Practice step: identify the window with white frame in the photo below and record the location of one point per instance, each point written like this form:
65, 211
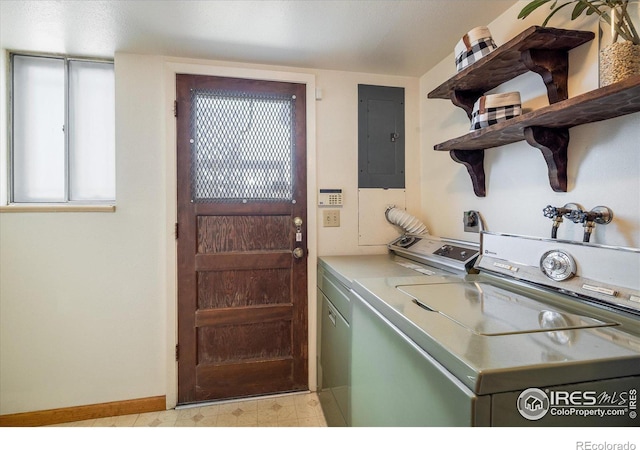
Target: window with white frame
62, 130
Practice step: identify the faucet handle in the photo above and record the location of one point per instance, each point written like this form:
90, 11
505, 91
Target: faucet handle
577, 216
550, 211
572, 211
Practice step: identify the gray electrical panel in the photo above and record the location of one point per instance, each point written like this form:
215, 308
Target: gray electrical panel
380, 137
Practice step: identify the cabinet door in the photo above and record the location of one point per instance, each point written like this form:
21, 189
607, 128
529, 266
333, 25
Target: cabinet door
335, 355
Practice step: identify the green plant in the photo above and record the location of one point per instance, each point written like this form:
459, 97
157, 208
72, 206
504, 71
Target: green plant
622, 24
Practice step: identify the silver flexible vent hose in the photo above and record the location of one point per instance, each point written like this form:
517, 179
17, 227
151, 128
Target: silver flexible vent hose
405, 221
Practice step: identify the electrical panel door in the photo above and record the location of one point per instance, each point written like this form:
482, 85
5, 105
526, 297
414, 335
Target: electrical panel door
381, 137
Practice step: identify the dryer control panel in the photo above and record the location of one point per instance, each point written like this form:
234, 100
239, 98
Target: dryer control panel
437, 252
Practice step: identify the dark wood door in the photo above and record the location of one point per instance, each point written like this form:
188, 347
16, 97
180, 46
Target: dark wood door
242, 259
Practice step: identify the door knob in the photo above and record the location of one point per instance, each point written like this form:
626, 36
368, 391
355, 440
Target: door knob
298, 253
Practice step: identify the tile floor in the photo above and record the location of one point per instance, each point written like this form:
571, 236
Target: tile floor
291, 410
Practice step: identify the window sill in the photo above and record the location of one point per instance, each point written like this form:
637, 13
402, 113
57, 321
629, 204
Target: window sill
40, 208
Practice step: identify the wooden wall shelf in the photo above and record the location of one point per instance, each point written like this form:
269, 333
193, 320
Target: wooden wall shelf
537, 49
544, 51
604, 103
546, 129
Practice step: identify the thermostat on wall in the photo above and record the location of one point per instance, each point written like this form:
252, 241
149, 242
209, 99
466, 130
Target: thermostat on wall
330, 197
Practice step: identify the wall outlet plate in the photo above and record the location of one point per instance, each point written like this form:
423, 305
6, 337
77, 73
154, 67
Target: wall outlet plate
471, 221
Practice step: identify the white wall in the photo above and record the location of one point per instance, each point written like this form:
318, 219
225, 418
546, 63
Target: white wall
82, 300
603, 166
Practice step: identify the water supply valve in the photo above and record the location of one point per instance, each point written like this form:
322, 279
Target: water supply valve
574, 212
600, 214
570, 211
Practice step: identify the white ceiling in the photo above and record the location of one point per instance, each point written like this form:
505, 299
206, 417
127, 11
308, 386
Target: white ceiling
399, 37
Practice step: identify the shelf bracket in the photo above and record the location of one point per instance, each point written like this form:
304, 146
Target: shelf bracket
553, 67
553, 143
473, 160
465, 100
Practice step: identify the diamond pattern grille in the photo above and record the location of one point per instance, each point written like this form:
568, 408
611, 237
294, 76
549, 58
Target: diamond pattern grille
243, 146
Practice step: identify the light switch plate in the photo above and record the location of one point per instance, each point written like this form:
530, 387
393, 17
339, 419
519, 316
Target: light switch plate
331, 218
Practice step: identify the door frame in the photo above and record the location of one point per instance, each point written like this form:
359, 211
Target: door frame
170, 69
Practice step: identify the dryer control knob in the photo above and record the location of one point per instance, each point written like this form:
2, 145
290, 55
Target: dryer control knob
558, 265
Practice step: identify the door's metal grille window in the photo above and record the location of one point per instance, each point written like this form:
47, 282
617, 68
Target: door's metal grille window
242, 146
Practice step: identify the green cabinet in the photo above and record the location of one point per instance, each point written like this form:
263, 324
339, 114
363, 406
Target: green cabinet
334, 350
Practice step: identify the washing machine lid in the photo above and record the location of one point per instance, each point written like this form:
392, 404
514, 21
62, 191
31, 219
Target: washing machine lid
489, 310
